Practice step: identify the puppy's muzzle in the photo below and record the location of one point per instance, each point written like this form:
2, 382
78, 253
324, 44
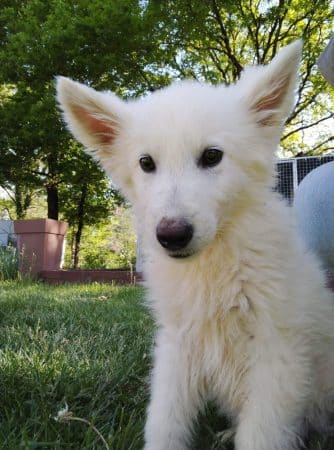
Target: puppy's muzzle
174, 233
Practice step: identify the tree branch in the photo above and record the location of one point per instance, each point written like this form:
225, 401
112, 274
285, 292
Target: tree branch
237, 66
305, 127
253, 36
217, 64
274, 33
323, 143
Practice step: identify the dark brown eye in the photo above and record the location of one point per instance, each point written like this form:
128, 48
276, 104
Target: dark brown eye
210, 157
147, 164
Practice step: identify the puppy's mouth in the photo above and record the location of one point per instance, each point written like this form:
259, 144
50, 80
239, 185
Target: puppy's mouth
180, 255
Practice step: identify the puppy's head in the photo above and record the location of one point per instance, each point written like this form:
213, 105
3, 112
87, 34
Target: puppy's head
189, 157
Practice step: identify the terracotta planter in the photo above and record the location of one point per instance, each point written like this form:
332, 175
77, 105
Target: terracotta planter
40, 243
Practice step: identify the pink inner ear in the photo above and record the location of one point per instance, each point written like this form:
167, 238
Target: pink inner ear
274, 97
272, 101
97, 126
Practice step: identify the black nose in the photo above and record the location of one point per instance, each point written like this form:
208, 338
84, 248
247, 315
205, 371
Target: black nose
174, 234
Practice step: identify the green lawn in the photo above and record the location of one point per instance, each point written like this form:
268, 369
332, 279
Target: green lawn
84, 345
87, 346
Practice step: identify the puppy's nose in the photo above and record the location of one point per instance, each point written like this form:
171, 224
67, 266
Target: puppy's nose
174, 234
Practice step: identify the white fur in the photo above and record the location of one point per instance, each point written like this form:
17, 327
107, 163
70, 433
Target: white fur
245, 320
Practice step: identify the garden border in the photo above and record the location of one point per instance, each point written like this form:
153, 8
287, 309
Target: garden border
117, 276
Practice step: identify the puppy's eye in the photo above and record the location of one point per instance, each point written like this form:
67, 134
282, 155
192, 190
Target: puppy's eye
147, 164
210, 157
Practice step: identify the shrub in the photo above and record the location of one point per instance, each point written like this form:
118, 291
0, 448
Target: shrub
108, 245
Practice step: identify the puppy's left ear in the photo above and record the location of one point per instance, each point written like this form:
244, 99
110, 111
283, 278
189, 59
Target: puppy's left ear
270, 90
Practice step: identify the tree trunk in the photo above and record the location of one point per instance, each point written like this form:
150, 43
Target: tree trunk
19, 202
78, 234
22, 200
53, 201
52, 187
72, 245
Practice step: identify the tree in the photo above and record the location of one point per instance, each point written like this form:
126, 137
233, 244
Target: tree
105, 44
111, 244
214, 40
86, 198
122, 238
133, 47
18, 162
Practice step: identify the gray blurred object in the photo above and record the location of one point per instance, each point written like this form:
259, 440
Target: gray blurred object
6, 233
314, 207
326, 62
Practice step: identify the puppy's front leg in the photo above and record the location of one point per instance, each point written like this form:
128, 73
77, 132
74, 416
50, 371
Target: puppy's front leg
272, 414
175, 400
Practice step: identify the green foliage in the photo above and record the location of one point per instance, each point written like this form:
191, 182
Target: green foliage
18, 164
122, 236
95, 253
81, 171
109, 245
105, 44
7, 210
86, 201
132, 47
214, 40
9, 263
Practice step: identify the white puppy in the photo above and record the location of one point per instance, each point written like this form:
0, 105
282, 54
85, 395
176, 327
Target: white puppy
244, 317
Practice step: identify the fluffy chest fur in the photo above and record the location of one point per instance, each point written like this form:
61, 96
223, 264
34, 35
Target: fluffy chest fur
253, 303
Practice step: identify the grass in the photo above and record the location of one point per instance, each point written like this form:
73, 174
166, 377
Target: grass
8, 263
84, 345
87, 346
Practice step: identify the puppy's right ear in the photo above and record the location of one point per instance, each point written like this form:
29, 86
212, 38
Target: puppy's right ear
94, 118
270, 90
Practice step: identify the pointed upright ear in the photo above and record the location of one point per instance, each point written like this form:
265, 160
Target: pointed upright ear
270, 90
94, 118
